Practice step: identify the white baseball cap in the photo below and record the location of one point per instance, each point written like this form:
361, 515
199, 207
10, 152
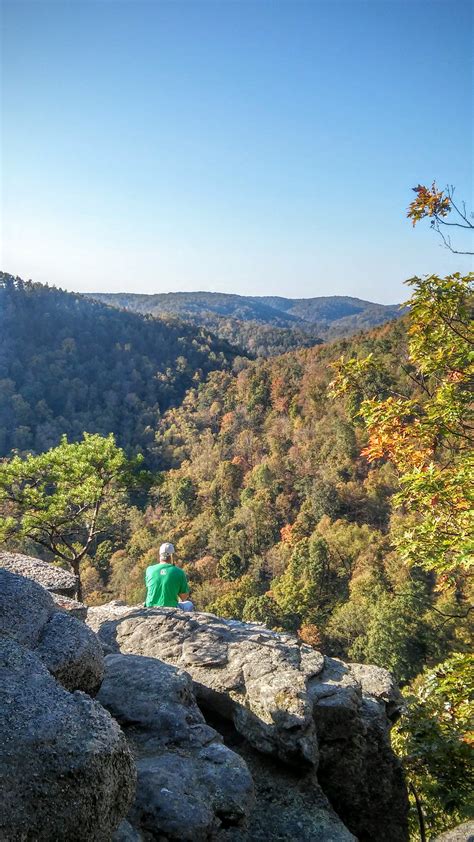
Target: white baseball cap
166, 550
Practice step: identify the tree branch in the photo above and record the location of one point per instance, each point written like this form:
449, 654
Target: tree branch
447, 240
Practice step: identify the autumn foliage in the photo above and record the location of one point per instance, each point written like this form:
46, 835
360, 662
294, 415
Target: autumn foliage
429, 202
429, 437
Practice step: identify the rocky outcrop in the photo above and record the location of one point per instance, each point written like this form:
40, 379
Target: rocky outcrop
357, 769
66, 646
189, 783
65, 769
66, 772
54, 579
25, 608
378, 684
461, 833
61, 584
251, 675
311, 731
287, 700
290, 805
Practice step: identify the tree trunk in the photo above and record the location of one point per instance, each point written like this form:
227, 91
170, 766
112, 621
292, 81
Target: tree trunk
75, 564
419, 810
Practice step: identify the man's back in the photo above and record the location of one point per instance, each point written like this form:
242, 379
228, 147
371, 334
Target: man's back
163, 584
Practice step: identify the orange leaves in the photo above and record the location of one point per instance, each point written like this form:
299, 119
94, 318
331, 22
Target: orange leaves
429, 202
468, 738
281, 404
279, 394
404, 445
227, 421
286, 534
427, 438
309, 633
455, 376
395, 434
461, 505
239, 460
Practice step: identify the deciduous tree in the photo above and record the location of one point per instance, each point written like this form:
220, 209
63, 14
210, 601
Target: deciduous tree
436, 205
428, 438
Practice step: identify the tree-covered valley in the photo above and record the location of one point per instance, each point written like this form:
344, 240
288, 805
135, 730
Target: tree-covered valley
277, 516
69, 364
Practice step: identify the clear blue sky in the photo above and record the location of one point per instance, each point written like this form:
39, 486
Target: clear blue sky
254, 147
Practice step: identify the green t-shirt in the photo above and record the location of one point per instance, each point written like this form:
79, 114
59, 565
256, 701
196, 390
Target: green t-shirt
163, 584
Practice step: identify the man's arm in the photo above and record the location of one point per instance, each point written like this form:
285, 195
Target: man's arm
147, 584
185, 595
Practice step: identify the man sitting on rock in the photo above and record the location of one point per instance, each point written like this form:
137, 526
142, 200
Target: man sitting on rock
166, 584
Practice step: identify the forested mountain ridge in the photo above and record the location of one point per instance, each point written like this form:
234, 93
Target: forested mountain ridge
264, 325
279, 517
282, 312
69, 364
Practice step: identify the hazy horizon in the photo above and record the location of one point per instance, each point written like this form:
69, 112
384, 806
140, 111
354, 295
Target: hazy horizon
255, 148
236, 294
201, 292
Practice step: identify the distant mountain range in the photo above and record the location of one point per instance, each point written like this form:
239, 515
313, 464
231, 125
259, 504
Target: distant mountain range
262, 325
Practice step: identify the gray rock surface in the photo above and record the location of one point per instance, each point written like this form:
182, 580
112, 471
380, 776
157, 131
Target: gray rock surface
66, 645
25, 608
53, 578
287, 700
72, 606
126, 833
252, 675
379, 685
462, 833
189, 782
289, 806
72, 653
66, 772
357, 769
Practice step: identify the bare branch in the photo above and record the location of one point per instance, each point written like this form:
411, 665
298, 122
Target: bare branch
447, 240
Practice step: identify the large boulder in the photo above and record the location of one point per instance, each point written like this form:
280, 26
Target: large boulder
242, 671
53, 578
25, 608
66, 772
358, 770
287, 700
64, 644
72, 653
189, 783
378, 684
289, 805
